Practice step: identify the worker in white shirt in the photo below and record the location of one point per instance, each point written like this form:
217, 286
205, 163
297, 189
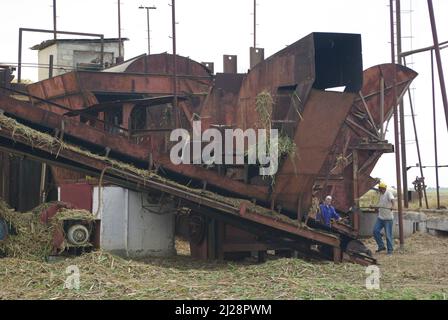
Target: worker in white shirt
385, 219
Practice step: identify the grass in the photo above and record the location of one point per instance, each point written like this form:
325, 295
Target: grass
371, 198
418, 273
264, 107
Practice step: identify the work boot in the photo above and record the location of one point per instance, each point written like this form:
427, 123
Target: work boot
380, 249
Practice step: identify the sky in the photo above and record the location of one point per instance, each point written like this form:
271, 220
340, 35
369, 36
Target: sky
207, 29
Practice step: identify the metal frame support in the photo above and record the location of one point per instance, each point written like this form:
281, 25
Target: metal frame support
436, 156
438, 59
402, 119
382, 133
396, 130
21, 30
173, 25
417, 143
50, 66
255, 23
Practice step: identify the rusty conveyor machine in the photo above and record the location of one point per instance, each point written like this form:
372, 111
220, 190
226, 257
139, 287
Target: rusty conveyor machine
270, 226
339, 135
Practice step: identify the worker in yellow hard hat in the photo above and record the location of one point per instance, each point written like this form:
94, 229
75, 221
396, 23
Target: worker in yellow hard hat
382, 185
385, 219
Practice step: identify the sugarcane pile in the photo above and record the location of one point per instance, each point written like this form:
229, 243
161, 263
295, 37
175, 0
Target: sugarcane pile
28, 237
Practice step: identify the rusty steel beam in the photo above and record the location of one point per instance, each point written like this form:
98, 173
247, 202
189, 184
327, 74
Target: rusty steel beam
128, 83
402, 119
344, 229
39, 101
438, 59
80, 131
436, 154
175, 84
442, 45
255, 23
213, 178
351, 123
417, 143
366, 107
382, 134
396, 131
326, 238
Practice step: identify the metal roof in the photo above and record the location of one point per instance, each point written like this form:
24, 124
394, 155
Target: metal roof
51, 42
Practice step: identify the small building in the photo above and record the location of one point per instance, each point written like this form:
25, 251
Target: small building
76, 54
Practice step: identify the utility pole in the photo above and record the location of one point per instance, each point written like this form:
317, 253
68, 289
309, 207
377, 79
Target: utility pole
396, 128
255, 23
119, 29
54, 20
173, 18
402, 123
147, 22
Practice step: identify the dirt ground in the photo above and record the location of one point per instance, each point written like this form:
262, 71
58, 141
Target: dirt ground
420, 271
422, 265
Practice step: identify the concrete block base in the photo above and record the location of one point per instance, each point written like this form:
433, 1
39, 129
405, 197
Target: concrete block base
440, 224
133, 227
368, 220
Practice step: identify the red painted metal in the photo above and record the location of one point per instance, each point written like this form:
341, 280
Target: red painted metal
78, 194
47, 214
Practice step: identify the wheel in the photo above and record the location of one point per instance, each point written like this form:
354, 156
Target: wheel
78, 235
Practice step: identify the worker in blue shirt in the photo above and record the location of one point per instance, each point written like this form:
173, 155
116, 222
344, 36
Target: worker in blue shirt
327, 212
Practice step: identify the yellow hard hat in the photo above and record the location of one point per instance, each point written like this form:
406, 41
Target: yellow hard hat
382, 185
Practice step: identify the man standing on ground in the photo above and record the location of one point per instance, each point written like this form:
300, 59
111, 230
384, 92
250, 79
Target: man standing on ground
385, 219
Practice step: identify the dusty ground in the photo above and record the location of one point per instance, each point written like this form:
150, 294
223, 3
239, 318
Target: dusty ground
419, 272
